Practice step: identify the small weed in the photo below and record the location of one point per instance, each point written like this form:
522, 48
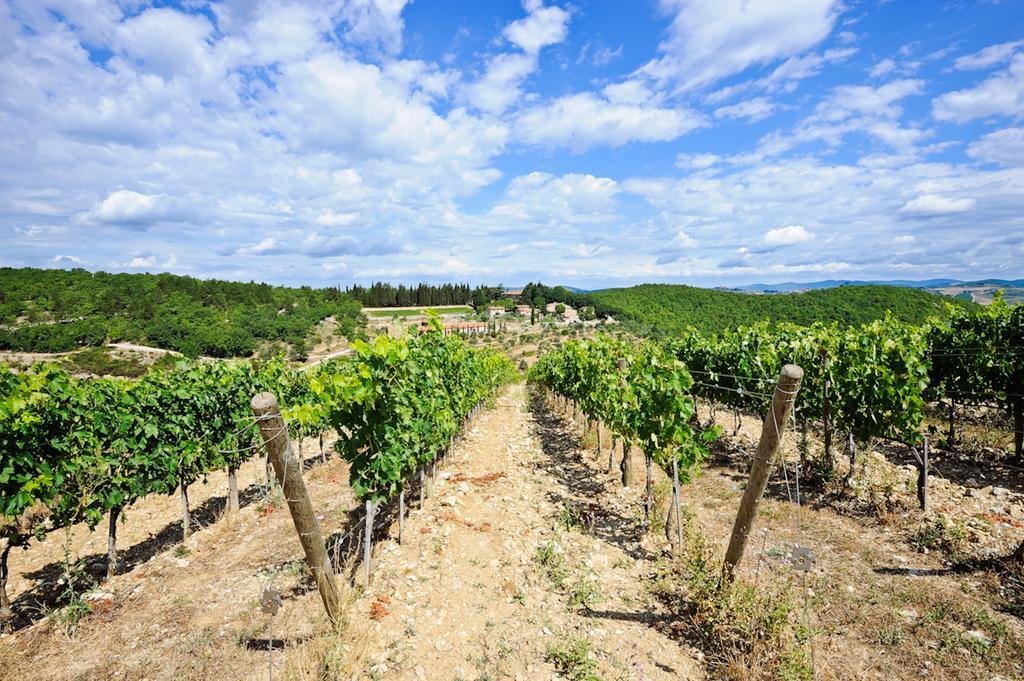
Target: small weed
182, 551
584, 593
574, 659
549, 556
75, 581
941, 533
569, 516
891, 636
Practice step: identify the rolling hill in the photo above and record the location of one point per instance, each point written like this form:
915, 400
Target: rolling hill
667, 308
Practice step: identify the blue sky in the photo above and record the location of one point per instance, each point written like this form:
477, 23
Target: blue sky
713, 142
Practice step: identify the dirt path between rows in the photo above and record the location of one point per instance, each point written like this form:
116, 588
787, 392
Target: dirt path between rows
497, 577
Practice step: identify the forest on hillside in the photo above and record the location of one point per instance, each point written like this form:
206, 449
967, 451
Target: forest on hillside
664, 309
60, 310
384, 294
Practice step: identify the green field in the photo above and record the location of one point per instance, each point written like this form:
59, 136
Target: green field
667, 309
418, 312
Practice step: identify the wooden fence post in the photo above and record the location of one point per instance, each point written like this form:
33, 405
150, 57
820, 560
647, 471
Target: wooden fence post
764, 459
289, 474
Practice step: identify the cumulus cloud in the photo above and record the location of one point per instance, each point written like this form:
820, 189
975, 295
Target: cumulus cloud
787, 236
126, 207
1000, 94
500, 86
1004, 146
541, 27
934, 204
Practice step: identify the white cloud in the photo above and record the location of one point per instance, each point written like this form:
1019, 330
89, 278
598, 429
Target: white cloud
682, 240
74, 260
1000, 94
1004, 146
500, 86
873, 111
375, 21
606, 55
753, 110
697, 161
904, 240
142, 262
541, 27
787, 236
883, 68
990, 56
589, 250
933, 204
331, 219
584, 120
169, 43
126, 207
711, 39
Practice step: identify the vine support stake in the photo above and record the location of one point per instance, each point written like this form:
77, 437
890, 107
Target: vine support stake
676, 501
368, 539
6, 614
232, 489
922, 477
826, 408
115, 512
764, 459
401, 515
289, 474
186, 521
648, 498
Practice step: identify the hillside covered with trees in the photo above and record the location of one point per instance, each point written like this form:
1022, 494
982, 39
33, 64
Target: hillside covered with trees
667, 308
384, 294
59, 310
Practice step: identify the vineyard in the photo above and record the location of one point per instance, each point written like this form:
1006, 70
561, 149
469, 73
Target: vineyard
658, 422
78, 450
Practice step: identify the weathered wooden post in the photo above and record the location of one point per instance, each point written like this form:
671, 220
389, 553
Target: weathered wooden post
186, 520
6, 613
371, 511
232, 489
922, 476
764, 459
826, 409
401, 515
289, 474
112, 542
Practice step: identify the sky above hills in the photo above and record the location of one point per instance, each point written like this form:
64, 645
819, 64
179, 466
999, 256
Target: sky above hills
591, 143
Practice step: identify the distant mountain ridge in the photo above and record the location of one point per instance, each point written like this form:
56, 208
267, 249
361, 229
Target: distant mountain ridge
787, 286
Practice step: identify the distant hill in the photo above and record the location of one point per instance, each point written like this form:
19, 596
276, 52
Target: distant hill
57, 310
667, 308
786, 286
